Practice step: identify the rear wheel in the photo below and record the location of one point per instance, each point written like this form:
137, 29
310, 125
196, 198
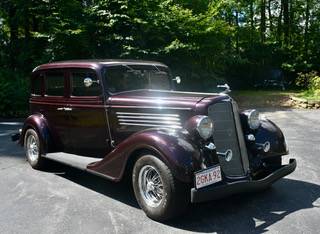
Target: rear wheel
158, 193
33, 149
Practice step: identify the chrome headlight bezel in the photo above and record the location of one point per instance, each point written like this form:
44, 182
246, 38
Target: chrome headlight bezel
205, 127
254, 120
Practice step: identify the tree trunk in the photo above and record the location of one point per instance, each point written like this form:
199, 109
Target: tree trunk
251, 21
286, 21
291, 15
306, 29
237, 32
270, 16
251, 16
13, 29
279, 30
263, 20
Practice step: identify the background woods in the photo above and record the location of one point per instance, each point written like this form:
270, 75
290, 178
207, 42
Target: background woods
202, 40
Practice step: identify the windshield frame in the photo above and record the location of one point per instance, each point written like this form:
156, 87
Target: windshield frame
105, 68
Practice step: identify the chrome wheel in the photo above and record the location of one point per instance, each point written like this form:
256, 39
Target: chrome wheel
150, 186
32, 148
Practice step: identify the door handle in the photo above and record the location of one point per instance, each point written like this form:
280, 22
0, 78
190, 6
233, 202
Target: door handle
64, 109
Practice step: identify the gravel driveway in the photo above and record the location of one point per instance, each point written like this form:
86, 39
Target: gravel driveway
65, 200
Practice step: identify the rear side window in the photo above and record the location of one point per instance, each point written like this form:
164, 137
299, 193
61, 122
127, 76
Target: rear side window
36, 84
54, 83
77, 83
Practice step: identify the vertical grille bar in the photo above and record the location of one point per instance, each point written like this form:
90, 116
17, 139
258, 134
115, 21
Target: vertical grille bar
242, 143
228, 135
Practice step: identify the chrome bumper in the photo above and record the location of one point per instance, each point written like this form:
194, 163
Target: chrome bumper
215, 192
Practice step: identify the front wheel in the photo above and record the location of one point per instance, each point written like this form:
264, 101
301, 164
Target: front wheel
33, 149
158, 193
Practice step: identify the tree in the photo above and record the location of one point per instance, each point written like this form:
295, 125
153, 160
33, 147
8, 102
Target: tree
237, 40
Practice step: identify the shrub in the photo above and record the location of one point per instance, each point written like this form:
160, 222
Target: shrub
304, 80
314, 85
14, 91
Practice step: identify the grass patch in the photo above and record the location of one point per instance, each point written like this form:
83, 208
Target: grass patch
263, 98
309, 95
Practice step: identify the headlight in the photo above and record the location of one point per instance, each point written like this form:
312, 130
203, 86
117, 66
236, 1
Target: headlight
205, 127
253, 119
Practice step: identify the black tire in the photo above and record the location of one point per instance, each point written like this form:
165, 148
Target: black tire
36, 162
175, 196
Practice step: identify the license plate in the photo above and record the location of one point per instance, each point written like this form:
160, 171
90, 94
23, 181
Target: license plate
208, 176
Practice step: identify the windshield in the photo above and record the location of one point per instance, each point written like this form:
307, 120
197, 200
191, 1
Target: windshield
132, 77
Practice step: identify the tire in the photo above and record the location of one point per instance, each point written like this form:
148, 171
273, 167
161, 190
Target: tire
158, 204
33, 149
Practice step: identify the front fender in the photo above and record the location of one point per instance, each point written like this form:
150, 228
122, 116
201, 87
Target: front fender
171, 147
269, 131
40, 125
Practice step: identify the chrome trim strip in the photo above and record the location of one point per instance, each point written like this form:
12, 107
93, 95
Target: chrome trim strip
183, 92
139, 113
150, 125
148, 117
242, 144
151, 107
149, 121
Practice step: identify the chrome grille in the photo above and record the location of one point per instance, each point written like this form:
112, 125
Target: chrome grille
228, 136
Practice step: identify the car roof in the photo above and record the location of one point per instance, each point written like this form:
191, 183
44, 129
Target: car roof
94, 63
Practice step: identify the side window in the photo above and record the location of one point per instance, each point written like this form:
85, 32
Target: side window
36, 84
54, 83
77, 85
132, 77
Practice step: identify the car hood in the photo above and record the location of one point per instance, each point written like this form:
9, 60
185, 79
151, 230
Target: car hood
163, 99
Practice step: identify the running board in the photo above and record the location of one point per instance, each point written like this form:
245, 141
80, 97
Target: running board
73, 160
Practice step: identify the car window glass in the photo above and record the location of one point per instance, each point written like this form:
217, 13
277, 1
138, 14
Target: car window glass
132, 77
54, 83
77, 85
36, 84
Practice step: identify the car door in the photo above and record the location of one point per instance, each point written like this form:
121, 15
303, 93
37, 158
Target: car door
54, 107
88, 127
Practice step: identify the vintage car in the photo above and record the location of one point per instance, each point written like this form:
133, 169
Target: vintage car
122, 118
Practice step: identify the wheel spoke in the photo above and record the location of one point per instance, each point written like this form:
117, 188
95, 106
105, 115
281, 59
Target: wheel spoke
32, 148
150, 184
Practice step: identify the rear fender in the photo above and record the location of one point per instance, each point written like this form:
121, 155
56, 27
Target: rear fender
38, 123
171, 147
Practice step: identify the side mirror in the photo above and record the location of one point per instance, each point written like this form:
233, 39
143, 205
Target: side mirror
226, 88
87, 82
177, 79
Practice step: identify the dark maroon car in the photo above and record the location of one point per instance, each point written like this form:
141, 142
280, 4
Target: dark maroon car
121, 118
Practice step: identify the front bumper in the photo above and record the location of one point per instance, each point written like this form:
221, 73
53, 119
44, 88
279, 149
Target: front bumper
215, 192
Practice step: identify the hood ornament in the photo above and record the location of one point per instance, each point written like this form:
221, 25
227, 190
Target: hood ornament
226, 88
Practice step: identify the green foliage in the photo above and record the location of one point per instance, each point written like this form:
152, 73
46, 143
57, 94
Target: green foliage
14, 94
205, 41
314, 85
311, 83
307, 80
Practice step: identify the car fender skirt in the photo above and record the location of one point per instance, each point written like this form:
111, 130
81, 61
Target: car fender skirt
170, 146
214, 192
